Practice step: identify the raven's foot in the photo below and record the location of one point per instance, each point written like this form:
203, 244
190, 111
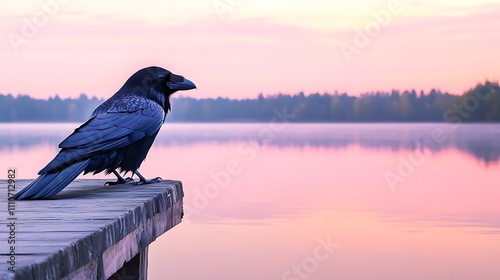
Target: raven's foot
145, 182
119, 181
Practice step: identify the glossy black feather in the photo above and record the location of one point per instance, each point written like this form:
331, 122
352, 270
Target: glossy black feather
118, 135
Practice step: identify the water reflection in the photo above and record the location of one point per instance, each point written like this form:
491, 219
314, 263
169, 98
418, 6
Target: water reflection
477, 222
478, 140
313, 181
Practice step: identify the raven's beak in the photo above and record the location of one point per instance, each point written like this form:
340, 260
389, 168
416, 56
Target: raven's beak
185, 84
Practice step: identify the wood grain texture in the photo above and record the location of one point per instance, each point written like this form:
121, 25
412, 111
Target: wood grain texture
54, 238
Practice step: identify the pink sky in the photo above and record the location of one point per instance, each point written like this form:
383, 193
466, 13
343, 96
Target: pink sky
252, 47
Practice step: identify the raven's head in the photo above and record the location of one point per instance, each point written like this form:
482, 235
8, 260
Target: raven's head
157, 84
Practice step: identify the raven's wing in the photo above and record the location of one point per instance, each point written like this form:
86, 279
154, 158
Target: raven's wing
120, 126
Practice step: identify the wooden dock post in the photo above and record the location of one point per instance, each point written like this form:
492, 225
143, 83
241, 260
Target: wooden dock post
89, 231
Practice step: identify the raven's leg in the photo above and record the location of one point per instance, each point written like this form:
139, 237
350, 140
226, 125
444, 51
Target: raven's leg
143, 180
119, 181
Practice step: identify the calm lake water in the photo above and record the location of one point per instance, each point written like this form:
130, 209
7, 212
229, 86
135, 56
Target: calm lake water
315, 201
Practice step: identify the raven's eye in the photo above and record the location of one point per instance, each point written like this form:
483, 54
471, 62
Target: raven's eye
165, 78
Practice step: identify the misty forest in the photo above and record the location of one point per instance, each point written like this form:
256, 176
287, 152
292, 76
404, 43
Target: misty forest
480, 104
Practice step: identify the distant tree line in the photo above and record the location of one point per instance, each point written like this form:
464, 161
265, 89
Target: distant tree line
480, 104
23, 108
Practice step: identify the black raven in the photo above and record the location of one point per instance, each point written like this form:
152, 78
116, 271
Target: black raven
117, 136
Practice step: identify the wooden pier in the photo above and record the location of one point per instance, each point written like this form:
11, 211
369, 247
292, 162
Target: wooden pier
88, 231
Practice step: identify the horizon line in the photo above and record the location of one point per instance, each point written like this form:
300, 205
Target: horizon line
335, 92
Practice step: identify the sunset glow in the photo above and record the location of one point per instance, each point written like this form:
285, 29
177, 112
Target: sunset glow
239, 49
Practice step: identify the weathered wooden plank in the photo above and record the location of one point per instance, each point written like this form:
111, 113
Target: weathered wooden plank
88, 229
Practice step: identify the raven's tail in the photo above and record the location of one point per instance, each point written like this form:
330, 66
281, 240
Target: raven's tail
50, 184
